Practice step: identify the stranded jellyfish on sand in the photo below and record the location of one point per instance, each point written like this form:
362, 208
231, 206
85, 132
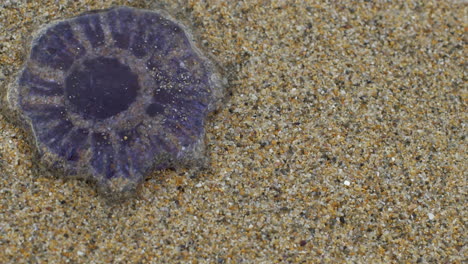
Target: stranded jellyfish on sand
112, 95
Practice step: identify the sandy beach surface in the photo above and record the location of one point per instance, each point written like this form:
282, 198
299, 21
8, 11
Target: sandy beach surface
344, 141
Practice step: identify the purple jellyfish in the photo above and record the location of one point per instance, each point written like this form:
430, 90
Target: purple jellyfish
115, 94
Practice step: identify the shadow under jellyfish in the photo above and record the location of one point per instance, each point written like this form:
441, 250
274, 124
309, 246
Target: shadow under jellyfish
114, 94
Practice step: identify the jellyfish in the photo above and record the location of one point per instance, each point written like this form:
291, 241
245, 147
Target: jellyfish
115, 94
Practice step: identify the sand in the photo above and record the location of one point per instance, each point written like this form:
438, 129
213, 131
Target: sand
344, 141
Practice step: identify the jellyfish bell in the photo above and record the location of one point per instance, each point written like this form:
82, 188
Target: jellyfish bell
114, 94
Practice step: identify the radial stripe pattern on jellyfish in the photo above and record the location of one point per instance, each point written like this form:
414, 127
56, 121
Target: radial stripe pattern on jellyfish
115, 94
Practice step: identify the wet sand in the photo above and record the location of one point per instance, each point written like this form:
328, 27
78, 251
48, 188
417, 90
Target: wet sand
344, 141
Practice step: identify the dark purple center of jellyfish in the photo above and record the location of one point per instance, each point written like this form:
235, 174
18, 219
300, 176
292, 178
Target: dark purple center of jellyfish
100, 88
